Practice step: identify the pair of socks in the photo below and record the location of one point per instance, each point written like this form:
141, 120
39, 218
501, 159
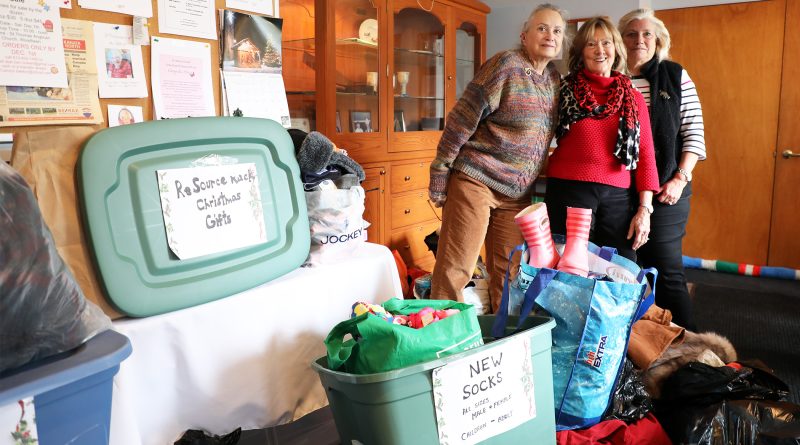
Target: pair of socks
535, 226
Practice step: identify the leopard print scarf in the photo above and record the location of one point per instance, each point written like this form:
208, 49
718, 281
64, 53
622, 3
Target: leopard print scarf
577, 101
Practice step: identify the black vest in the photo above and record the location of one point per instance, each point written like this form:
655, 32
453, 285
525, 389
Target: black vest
665, 116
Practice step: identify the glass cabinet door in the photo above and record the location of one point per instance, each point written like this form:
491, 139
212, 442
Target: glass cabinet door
299, 69
418, 64
468, 56
358, 76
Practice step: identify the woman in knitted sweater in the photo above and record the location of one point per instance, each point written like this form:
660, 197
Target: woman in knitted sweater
604, 143
492, 149
679, 138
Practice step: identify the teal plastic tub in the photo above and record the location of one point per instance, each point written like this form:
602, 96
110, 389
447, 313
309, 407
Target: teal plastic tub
124, 221
397, 407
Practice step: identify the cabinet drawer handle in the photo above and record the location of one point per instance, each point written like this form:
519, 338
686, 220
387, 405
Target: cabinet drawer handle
372, 190
407, 178
407, 211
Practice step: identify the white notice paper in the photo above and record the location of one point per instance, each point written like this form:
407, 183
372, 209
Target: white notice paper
194, 18
266, 7
257, 95
119, 62
211, 209
181, 76
32, 53
485, 394
140, 8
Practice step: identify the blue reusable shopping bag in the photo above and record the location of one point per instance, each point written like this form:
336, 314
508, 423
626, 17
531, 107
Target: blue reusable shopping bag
593, 317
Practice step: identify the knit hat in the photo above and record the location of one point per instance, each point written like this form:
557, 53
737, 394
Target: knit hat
315, 152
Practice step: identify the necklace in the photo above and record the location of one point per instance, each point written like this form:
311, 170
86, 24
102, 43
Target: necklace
528, 70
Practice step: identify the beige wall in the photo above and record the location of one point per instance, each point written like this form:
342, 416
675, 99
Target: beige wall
505, 21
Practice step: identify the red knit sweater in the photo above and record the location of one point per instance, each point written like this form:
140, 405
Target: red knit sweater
585, 153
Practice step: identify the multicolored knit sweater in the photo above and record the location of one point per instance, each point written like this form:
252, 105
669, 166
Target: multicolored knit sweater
500, 129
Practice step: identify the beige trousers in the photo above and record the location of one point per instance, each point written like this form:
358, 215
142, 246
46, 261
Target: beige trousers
474, 214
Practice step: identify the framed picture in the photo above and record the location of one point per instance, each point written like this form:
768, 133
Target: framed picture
560, 61
338, 122
431, 123
301, 123
361, 121
399, 121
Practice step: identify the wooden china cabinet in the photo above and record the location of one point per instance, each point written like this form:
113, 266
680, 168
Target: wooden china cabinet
378, 78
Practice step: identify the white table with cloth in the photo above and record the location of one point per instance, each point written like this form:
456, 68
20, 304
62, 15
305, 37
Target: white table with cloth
242, 361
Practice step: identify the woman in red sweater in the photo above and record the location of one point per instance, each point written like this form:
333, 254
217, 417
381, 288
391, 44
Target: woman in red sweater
604, 143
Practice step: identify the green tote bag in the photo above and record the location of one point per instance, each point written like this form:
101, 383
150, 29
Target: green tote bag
378, 346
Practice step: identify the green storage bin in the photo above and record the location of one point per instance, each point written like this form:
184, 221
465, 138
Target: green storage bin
397, 407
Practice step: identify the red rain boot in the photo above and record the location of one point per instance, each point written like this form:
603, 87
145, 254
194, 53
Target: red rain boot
575, 259
535, 226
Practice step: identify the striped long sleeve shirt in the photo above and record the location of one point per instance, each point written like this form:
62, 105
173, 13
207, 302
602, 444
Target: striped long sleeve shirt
499, 131
692, 128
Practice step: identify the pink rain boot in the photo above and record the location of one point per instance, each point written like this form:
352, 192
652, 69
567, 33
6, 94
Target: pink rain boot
535, 227
575, 259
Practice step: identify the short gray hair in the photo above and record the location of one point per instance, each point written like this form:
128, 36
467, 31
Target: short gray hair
545, 7
663, 41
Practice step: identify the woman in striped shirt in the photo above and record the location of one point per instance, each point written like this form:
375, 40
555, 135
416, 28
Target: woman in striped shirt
678, 135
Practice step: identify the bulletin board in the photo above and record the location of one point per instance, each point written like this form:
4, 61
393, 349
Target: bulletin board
79, 13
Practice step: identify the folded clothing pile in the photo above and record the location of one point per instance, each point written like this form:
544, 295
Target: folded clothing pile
322, 164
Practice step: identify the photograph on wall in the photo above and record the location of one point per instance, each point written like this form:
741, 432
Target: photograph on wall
124, 115
360, 121
251, 43
120, 66
250, 53
118, 63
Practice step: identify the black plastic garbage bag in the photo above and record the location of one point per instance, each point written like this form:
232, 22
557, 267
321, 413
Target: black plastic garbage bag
701, 384
43, 311
197, 437
630, 401
735, 422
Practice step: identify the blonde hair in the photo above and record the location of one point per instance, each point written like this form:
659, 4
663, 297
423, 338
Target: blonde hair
587, 32
663, 41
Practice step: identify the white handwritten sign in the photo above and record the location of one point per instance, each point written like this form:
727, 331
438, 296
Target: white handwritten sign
486, 393
211, 209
